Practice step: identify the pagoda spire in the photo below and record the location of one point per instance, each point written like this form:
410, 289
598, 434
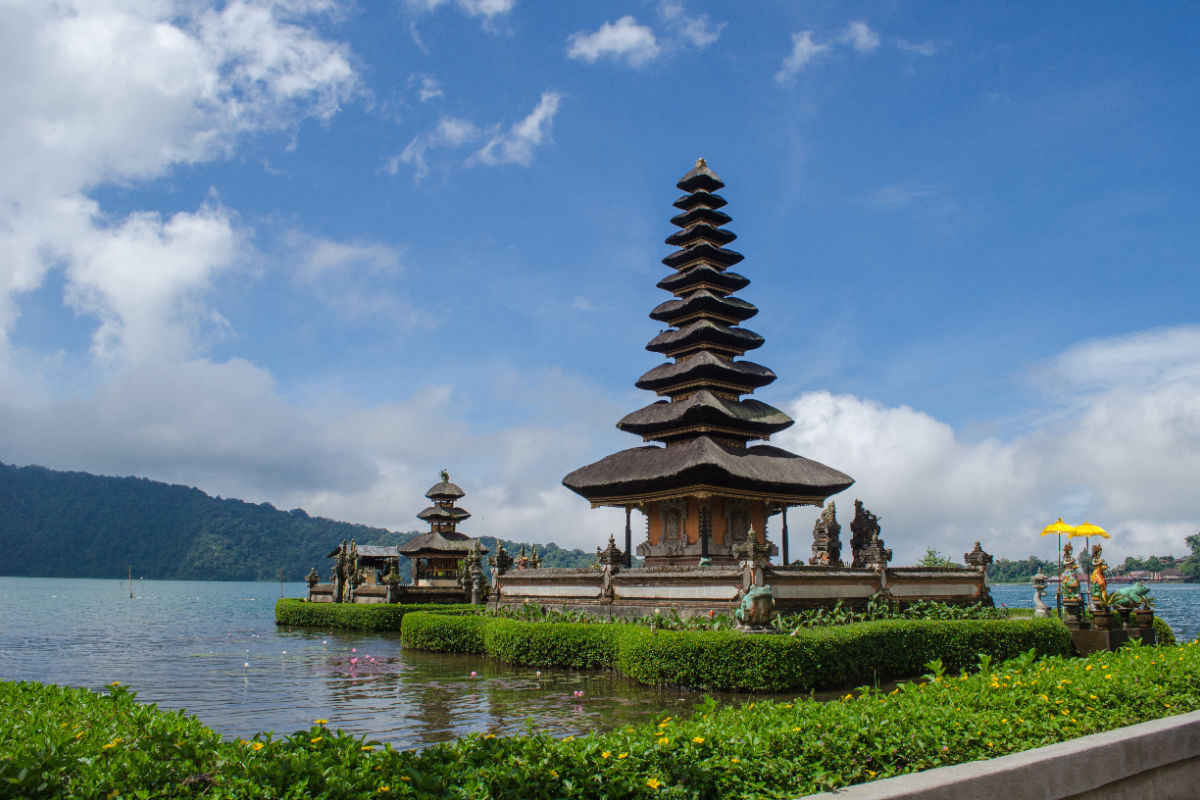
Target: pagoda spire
709, 485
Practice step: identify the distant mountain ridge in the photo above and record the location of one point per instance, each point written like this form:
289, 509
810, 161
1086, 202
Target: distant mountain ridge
79, 525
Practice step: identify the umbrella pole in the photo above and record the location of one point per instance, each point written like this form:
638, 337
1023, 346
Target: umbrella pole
1058, 593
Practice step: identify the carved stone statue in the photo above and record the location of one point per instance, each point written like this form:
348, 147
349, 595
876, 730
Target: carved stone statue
1068, 580
1131, 595
864, 529
1099, 576
757, 608
535, 560
1040, 609
312, 578
827, 547
977, 558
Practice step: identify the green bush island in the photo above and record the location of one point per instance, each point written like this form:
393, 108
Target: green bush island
71, 743
811, 658
355, 616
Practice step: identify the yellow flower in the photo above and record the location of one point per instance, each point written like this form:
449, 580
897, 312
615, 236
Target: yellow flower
113, 743
1093, 697
79, 735
700, 739
405, 778
115, 683
606, 754
320, 721
736, 760
367, 747
256, 746
797, 729
872, 773
664, 740
490, 736
623, 755
654, 783
316, 739
553, 773
382, 789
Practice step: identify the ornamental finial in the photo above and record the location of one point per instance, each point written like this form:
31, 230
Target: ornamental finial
700, 162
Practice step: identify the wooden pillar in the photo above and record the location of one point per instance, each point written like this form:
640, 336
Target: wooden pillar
628, 538
705, 525
784, 537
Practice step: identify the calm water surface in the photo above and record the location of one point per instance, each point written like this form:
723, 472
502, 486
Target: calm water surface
213, 648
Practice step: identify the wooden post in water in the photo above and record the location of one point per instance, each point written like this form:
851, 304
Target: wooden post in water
131, 581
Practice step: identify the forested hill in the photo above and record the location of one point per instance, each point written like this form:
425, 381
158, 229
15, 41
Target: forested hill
78, 525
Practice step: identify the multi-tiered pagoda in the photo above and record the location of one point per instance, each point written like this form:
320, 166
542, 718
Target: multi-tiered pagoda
436, 555
704, 487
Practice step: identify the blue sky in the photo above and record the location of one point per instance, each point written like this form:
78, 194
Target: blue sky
312, 252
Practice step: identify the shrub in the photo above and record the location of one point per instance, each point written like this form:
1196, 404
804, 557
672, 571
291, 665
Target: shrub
355, 616
1163, 632
552, 644
444, 633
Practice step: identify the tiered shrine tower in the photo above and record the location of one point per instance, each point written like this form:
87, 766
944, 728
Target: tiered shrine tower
704, 487
436, 555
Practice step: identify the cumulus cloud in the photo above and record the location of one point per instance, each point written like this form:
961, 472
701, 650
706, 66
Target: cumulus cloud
516, 145
1119, 443
126, 91
623, 40
860, 36
804, 50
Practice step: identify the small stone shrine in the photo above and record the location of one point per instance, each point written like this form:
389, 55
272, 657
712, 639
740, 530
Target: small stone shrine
827, 544
437, 556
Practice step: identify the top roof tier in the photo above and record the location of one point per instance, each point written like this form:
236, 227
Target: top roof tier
445, 490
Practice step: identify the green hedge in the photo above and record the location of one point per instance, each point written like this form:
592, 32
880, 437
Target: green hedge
74, 744
817, 658
355, 616
444, 633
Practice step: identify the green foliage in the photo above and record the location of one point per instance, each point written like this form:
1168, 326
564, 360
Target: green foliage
763, 749
444, 633
811, 658
1004, 571
1162, 632
552, 644
162, 531
933, 558
354, 616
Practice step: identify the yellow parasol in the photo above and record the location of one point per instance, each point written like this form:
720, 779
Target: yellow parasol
1058, 528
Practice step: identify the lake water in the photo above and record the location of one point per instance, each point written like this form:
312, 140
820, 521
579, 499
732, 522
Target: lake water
213, 648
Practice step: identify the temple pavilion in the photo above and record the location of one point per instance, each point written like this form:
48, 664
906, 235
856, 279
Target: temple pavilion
705, 481
436, 555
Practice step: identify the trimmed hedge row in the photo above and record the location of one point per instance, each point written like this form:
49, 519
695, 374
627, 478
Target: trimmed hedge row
354, 616
817, 658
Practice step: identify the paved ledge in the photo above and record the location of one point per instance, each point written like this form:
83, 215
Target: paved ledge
1158, 760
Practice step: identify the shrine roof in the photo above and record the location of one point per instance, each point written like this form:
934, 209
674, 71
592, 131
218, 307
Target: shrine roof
700, 274
444, 514
445, 542
752, 417
762, 470
369, 551
705, 366
704, 300
703, 333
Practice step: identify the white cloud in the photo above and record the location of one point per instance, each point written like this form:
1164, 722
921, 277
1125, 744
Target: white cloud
430, 88
490, 10
450, 133
804, 50
1120, 445
621, 40
860, 36
144, 281
517, 145
917, 48
698, 31
125, 91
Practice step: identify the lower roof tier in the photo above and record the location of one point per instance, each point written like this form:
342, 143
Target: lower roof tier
704, 465
444, 514
439, 543
706, 370
703, 410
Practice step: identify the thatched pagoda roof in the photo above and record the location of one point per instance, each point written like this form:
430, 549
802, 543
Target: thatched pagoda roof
445, 543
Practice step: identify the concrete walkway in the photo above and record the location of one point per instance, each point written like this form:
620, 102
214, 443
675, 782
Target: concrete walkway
1157, 760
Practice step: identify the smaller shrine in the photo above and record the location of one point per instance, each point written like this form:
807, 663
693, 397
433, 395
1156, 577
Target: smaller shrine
437, 557
360, 574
